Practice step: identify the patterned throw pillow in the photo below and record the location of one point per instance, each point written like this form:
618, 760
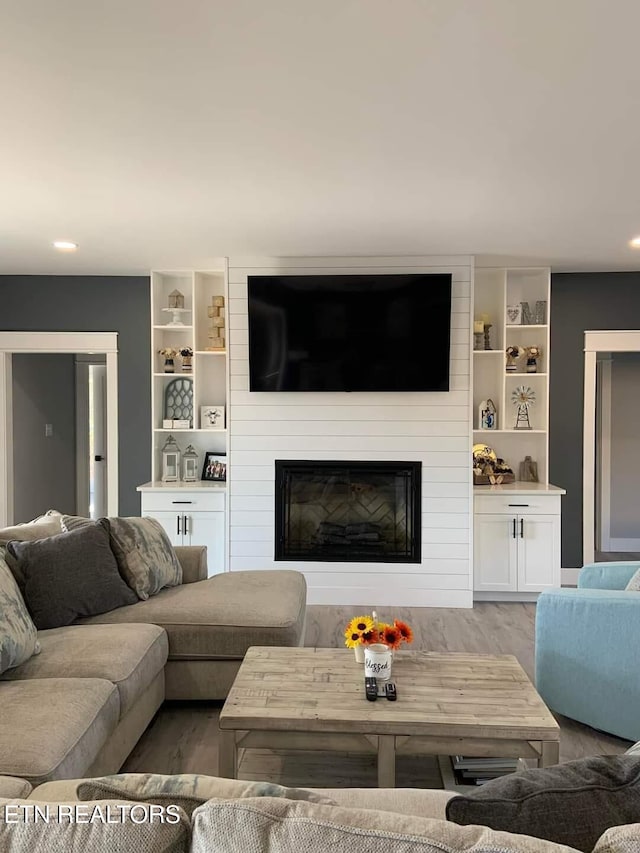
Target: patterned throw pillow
18, 635
145, 555
187, 790
634, 583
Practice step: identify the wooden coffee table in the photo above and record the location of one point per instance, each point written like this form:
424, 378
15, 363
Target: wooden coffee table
448, 703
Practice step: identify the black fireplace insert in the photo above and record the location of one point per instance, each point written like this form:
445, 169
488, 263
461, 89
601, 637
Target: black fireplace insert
348, 511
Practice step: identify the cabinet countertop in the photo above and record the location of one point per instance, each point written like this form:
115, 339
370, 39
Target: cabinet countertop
519, 489
199, 485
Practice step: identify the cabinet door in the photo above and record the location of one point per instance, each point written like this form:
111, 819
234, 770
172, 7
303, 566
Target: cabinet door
207, 528
173, 523
494, 553
538, 552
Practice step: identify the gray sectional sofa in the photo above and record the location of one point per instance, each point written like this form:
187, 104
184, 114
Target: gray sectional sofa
78, 708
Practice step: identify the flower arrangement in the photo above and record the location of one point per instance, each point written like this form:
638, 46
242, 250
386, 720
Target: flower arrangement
364, 630
186, 352
168, 352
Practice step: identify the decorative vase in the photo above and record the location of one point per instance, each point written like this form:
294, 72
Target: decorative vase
186, 364
169, 366
359, 652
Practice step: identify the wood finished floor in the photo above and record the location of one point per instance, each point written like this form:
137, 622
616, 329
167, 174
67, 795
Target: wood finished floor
183, 737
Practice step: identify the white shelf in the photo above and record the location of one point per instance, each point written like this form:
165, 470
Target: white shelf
177, 373
539, 373
488, 352
526, 326
505, 431
210, 352
166, 327
209, 431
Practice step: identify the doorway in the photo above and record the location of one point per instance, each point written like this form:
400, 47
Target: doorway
91, 435
607, 418
102, 346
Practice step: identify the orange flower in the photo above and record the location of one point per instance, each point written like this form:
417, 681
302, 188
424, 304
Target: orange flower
405, 631
371, 636
390, 636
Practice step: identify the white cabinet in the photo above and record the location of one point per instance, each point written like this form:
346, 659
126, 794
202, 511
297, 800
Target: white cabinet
517, 539
190, 518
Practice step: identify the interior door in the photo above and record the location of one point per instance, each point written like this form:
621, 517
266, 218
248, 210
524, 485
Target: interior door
97, 440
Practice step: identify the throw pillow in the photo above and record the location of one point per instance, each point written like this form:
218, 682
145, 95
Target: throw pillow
45, 525
186, 790
571, 803
69, 576
282, 826
33, 826
634, 750
634, 583
18, 636
145, 555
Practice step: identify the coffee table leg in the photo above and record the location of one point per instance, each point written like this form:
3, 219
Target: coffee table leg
227, 754
550, 753
386, 761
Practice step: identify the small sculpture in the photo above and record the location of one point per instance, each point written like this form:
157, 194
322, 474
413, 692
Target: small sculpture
487, 415
533, 354
513, 352
523, 397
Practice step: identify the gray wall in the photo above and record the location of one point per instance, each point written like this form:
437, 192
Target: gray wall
45, 468
625, 458
579, 302
98, 304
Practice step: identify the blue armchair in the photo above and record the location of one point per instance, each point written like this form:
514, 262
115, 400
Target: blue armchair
588, 649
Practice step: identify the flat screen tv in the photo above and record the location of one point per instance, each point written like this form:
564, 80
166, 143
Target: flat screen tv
349, 332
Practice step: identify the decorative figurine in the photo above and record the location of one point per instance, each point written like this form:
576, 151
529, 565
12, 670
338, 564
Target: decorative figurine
533, 354
523, 397
487, 415
528, 470
513, 352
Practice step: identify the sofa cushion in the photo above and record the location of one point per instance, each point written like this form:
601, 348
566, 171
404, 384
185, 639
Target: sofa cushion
18, 635
187, 790
571, 803
129, 656
45, 525
69, 575
224, 615
53, 728
283, 826
32, 826
11, 787
420, 802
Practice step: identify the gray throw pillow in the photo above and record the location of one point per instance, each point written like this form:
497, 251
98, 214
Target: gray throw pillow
18, 636
187, 790
570, 804
69, 576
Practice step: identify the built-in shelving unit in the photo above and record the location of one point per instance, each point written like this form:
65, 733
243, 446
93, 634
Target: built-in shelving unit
516, 525
191, 513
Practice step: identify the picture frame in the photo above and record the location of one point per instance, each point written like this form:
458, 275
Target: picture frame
212, 416
215, 467
514, 314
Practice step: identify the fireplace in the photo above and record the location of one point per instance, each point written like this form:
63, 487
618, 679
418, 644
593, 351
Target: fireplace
348, 511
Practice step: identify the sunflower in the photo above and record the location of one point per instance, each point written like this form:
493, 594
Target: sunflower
356, 629
405, 631
390, 635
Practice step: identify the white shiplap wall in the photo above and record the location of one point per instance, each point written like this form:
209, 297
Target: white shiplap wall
434, 428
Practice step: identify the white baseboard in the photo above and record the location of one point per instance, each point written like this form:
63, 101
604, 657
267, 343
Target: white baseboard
569, 577
366, 597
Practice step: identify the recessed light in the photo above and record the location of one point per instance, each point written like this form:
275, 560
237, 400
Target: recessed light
635, 243
65, 245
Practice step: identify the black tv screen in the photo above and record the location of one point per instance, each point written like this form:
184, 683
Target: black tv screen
349, 332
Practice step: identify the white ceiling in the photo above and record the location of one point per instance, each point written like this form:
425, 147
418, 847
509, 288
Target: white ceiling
159, 133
